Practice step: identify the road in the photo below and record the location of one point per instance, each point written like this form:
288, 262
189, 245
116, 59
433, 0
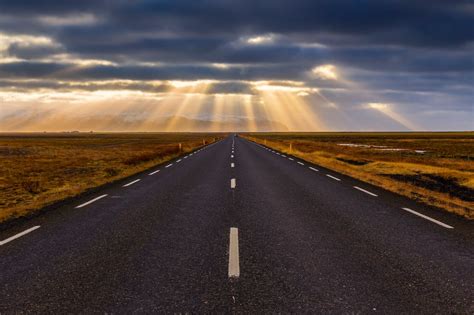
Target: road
237, 228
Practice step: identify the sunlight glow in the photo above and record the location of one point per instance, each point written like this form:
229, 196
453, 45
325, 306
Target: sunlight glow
25, 40
387, 109
186, 84
194, 98
325, 72
221, 65
261, 39
291, 110
283, 86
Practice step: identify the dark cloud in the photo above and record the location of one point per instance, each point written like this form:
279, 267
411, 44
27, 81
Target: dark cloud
29, 85
32, 52
416, 22
43, 7
65, 71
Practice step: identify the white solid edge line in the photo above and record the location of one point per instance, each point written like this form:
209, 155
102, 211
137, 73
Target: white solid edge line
168, 165
153, 173
19, 235
91, 201
313, 169
330, 176
131, 183
234, 266
233, 183
428, 218
232, 165
300, 163
365, 191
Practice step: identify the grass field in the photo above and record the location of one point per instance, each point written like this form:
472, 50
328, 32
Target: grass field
434, 168
39, 169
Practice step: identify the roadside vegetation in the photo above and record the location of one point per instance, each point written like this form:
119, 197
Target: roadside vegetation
434, 168
37, 169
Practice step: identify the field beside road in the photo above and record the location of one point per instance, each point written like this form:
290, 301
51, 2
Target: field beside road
37, 169
435, 168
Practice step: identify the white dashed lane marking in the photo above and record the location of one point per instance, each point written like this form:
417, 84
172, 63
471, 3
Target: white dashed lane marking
365, 191
428, 218
91, 201
14, 237
234, 265
233, 183
153, 173
131, 183
335, 178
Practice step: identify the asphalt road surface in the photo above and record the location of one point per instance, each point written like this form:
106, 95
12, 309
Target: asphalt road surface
237, 228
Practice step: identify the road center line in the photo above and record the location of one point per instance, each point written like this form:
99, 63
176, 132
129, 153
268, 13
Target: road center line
153, 173
428, 218
313, 169
168, 165
330, 176
91, 201
131, 183
234, 266
300, 163
233, 183
366, 191
14, 237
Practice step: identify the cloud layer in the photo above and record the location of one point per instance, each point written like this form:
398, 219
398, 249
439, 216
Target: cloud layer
416, 56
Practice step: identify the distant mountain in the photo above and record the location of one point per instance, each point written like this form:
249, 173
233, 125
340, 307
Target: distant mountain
238, 124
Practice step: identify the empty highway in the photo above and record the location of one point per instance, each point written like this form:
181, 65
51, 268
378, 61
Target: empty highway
236, 227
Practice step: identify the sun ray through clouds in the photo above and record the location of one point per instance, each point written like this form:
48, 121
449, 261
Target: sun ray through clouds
193, 96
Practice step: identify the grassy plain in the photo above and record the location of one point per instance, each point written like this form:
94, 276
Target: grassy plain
37, 169
434, 168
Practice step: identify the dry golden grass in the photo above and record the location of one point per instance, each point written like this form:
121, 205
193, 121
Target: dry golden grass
39, 169
443, 176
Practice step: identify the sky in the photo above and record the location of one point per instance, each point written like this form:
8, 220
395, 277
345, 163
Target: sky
222, 65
